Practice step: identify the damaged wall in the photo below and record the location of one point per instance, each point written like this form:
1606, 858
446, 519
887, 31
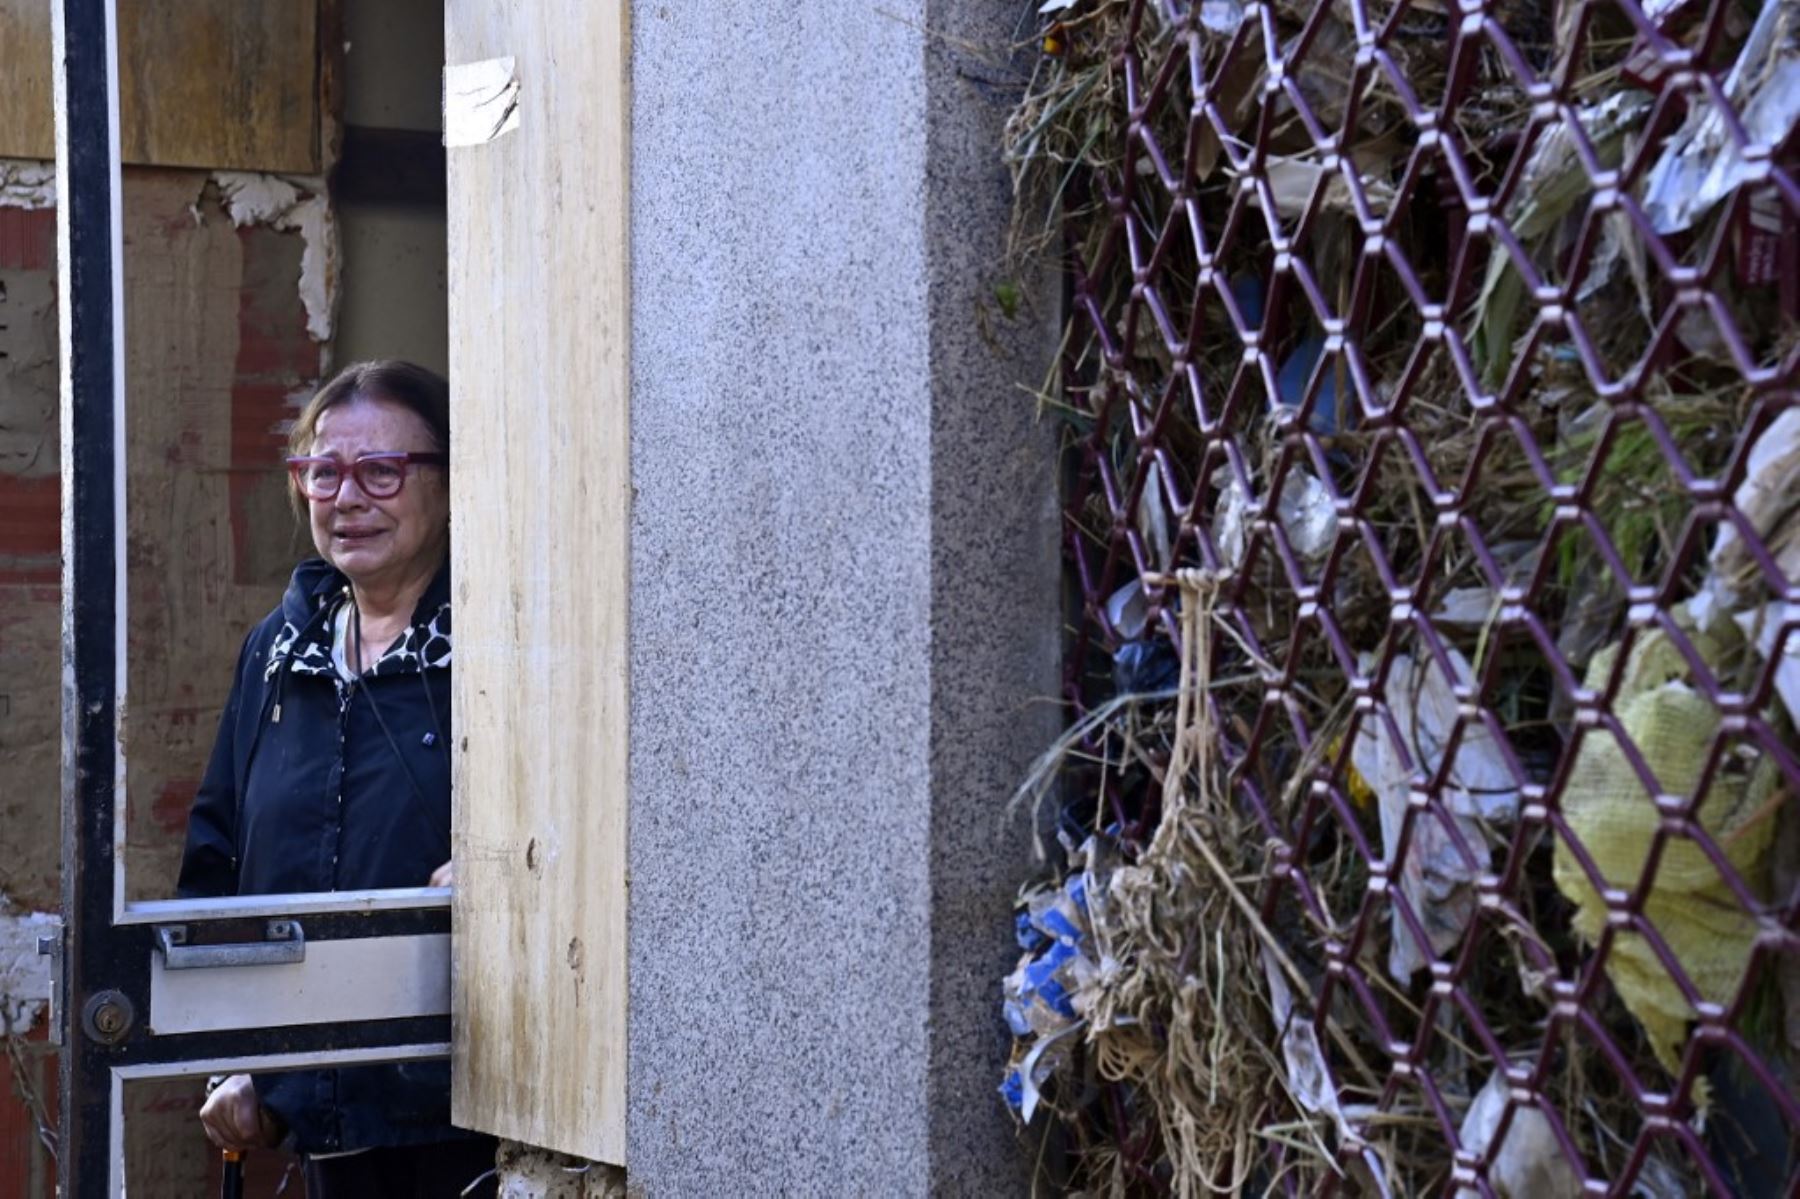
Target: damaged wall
225, 306
220, 350
28, 657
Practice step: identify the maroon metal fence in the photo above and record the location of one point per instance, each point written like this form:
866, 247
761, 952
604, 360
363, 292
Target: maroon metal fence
1435, 361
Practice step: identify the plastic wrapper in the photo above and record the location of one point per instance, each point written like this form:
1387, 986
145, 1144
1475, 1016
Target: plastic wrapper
1703, 162
1436, 876
1530, 1162
1307, 515
1769, 498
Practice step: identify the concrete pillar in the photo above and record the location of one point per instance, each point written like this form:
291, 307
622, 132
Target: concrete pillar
844, 605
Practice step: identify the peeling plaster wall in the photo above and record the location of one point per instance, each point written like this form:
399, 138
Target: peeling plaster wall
219, 358
25, 1169
27, 372
24, 973
220, 351
26, 183
294, 205
29, 542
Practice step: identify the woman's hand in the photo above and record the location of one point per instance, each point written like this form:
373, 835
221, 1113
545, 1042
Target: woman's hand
443, 876
234, 1118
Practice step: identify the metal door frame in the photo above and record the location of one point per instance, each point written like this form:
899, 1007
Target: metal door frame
113, 964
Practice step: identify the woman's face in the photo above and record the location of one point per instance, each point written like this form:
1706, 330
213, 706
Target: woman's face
379, 543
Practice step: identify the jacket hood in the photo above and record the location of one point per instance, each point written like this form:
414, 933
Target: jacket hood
314, 594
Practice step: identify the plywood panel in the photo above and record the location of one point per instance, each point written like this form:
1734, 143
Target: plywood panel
222, 84
539, 372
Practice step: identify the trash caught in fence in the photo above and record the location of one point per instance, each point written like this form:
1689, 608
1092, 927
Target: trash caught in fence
1431, 389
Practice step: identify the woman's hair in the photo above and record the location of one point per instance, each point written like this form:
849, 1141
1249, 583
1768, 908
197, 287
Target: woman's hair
420, 391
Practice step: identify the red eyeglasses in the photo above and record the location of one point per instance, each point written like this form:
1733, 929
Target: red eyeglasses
378, 476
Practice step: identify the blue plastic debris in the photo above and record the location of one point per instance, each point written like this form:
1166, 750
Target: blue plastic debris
1147, 664
1041, 978
1046, 996
1058, 926
1039, 995
1248, 292
1292, 380
1013, 1089
1027, 933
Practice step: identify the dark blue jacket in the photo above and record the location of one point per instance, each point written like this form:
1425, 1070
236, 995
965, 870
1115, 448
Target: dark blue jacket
317, 784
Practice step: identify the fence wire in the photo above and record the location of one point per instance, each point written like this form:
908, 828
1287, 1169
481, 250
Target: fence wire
1433, 363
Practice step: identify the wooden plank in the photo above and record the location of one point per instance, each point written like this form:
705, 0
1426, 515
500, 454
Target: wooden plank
218, 84
539, 370
26, 125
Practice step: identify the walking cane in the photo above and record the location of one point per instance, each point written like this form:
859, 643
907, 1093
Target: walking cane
231, 1185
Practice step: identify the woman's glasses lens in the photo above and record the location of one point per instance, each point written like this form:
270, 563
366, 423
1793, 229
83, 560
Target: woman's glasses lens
378, 478
321, 480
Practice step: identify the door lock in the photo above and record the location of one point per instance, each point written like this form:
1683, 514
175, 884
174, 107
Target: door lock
107, 1017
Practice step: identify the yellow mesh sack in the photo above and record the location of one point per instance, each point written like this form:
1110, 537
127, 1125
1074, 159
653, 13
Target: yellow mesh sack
1612, 813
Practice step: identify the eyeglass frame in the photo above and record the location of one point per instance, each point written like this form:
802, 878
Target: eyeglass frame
354, 469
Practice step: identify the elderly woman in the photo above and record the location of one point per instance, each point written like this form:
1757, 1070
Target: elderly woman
332, 771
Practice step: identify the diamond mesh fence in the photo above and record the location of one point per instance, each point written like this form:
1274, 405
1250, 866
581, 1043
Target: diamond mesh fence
1428, 823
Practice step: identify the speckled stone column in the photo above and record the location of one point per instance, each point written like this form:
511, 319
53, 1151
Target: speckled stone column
845, 605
